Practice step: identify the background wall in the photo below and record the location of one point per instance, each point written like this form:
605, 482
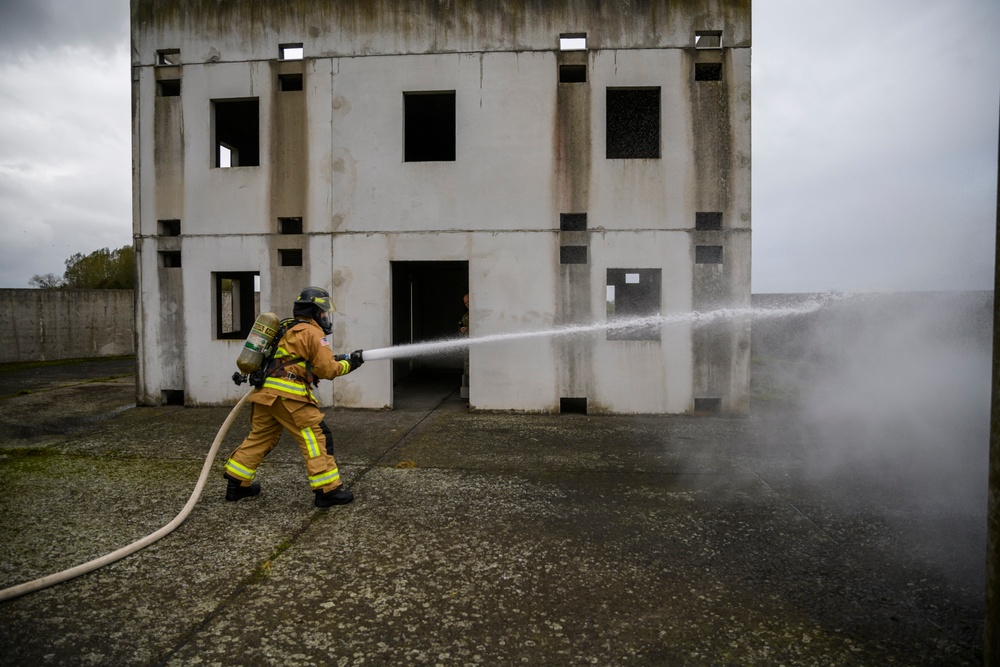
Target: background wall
42, 325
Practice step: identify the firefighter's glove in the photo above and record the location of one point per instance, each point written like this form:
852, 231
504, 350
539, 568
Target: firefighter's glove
356, 359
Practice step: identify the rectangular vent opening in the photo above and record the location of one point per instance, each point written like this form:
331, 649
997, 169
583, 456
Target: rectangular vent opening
168, 88
289, 82
170, 259
575, 406
707, 406
708, 254
572, 74
708, 220
708, 71
290, 257
290, 52
573, 41
289, 225
168, 227
172, 397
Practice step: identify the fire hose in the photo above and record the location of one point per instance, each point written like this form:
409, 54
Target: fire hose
73, 572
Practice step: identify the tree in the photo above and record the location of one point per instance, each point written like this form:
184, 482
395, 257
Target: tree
101, 269
47, 281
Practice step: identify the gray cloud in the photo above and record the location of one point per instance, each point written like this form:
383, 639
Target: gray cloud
875, 145
44, 25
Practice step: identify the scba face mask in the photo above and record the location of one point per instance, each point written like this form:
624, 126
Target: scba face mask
325, 323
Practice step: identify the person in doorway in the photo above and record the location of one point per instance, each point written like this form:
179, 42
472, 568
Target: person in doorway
285, 402
463, 324
463, 329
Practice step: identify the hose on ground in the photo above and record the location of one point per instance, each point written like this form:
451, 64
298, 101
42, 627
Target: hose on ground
73, 572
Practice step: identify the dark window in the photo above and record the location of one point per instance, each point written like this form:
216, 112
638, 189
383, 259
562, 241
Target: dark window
633, 293
168, 227
708, 221
633, 123
429, 127
235, 303
172, 397
573, 222
572, 74
573, 405
170, 259
237, 133
289, 225
168, 87
289, 82
707, 405
708, 71
290, 257
573, 254
708, 254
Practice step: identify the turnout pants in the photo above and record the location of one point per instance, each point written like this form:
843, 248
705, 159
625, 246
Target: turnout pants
271, 414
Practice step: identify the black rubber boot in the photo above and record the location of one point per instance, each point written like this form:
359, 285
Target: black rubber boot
339, 496
235, 489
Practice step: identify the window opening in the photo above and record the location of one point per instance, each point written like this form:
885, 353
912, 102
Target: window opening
573, 222
708, 254
237, 133
290, 257
573, 254
429, 127
573, 406
172, 397
167, 57
708, 220
633, 123
572, 74
707, 405
573, 41
235, 303
168, 227
708, 71
633, 293
168, 87
289, 82
290, 52
289, 225
708, 39
170, 259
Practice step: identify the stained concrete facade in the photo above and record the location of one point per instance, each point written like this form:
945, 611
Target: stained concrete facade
548, 172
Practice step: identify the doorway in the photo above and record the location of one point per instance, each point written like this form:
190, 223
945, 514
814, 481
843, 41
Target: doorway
427, 305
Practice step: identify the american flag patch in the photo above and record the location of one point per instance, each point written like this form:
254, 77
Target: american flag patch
324, 342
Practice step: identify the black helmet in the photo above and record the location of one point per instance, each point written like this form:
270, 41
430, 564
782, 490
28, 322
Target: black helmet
318, 297
316, 304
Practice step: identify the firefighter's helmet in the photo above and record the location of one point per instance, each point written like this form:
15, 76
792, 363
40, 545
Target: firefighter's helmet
318, 297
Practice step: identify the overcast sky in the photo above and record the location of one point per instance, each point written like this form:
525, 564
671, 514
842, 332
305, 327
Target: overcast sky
874, 141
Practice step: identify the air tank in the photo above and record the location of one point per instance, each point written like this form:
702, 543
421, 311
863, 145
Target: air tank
265, 328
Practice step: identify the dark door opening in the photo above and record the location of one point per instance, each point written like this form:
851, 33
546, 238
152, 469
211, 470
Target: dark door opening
427, 305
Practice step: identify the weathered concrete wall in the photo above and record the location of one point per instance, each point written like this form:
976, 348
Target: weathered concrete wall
527, 148
43, 325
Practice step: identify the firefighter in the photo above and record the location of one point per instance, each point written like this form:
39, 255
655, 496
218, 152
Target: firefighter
286, 401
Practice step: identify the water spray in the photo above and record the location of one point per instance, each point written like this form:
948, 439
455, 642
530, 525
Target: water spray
693, 318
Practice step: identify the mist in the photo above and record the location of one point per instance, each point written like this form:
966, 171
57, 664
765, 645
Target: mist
883, 400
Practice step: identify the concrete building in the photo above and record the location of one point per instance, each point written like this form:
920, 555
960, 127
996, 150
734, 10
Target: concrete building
563, 161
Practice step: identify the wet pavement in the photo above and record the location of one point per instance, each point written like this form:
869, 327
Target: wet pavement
475, 538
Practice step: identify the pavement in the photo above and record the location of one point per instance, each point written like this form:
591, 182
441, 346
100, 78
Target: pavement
476, 538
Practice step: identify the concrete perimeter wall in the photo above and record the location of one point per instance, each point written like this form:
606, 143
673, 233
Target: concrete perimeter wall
47, 324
